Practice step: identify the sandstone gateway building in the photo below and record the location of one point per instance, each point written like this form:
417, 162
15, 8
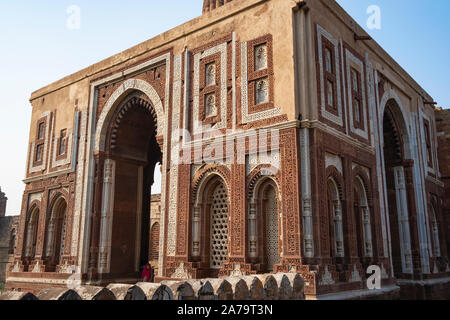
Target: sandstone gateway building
333, 164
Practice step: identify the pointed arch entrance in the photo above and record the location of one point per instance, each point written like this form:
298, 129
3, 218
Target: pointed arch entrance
396, 161
31, 229
210, 221
55, 234
336, 229
264, 225
132, 149
363, 219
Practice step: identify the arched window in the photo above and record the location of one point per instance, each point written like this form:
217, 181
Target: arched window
55, 234
336, 234
435, 233
31, 233
362, 219
154, 242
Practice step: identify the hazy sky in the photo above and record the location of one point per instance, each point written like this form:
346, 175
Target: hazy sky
37, 48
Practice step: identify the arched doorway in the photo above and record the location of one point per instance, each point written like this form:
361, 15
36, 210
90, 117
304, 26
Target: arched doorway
336, 231
271, 231
55, 234
435, 232
395, 138
362, 216
264, 226
210, 227
31, 228
132, 152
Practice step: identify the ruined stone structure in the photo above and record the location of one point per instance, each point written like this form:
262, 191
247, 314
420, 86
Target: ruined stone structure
289, 142
8, 231
443, 136
3, 201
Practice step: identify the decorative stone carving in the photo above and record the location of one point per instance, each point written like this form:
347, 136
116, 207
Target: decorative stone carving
339, 232
272, 230
337, 119
16, 267
181, 273
262, 91
246, 115
174, 211
332, 160
127, 86
327, 278
210, 105
222, 104
403, 220
210, 75
261, 57
355, 277
237, 271
353, 60
38, 267
66, 268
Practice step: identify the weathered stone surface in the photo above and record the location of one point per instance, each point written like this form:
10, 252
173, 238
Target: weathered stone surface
270, 286
15, 295
239, 287
8, 231
284, 286
222, 289
203, 290
298, 286
182, 290
120, 291
149, 291
256, 288
261, 287
95, 293
58, 294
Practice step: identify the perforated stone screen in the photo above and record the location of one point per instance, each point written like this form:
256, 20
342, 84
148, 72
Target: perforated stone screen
273, 256
219, 227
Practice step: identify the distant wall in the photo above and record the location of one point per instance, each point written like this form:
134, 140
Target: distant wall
7, 224
443, 134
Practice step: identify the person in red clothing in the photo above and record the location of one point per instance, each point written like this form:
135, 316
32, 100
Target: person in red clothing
147, 273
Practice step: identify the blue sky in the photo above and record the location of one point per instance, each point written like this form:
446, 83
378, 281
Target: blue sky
37, 48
